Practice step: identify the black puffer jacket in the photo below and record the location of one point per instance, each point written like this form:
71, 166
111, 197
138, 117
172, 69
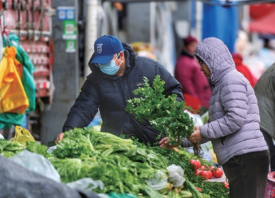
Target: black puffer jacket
109, 93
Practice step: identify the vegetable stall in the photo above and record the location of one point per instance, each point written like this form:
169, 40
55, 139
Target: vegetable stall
127, 166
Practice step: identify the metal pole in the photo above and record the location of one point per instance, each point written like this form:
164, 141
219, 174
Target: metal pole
152, 23
91, 32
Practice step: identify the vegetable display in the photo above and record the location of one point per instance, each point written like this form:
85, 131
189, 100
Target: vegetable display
123, 165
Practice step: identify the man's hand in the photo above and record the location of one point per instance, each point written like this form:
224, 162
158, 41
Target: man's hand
165, 142
196, 135
59, 137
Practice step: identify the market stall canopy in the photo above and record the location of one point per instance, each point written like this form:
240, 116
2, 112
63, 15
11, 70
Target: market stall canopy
262, 16
218, 2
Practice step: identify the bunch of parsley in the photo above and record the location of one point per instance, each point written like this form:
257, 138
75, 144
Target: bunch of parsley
165, 114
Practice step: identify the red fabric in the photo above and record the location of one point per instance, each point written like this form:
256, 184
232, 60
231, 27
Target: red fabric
190, 101
257, 11
238, 59
264, 24
192, 80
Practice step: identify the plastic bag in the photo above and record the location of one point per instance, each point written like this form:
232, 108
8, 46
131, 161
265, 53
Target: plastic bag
36, 163
175, 175
22, 135
158, 182
50, 150
196, 118
13, 96
1, 136
86, 184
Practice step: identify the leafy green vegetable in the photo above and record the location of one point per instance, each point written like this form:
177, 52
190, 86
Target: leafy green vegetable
75, 143
120, 165
14, 146
9, 154
9, 149
37, 148
214, 189
3, 144
164, 113
109, 139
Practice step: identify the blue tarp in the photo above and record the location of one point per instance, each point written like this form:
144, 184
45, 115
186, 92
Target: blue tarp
220, 22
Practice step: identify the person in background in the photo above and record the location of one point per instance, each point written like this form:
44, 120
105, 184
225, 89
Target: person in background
116, 72
267, 54
234, 123
238, 59
188, 73
265, 93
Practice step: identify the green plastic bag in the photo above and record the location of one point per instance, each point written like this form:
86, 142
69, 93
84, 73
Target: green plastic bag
9, 119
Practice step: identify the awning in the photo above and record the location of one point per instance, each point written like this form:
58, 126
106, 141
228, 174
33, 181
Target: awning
263, 17
217, 2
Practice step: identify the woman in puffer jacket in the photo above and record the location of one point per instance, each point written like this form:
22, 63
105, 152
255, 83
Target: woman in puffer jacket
233, 125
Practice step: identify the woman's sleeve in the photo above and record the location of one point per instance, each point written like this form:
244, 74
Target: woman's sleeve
234, 103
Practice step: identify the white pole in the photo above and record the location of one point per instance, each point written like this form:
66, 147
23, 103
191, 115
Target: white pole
246, 18
91, 32
199, 11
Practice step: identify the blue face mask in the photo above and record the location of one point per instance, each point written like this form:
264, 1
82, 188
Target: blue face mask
110, 68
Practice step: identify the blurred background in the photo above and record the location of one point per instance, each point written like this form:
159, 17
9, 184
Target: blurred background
58, 37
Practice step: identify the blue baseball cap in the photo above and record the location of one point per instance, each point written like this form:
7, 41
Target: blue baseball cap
105, 48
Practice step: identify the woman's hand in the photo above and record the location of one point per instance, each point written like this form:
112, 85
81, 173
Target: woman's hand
195, 137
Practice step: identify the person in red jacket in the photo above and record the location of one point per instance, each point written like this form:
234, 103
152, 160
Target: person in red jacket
238, 59
188, 73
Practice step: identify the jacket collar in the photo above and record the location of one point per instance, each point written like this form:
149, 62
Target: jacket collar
185, 53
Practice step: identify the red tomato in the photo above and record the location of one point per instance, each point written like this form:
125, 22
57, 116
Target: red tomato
218, 172
196, 163
226, 184
203, 167
204, 174
210, 175
211, 168
198, 172
199, 189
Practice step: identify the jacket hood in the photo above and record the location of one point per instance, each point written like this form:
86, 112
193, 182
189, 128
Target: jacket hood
130, 57
215, 54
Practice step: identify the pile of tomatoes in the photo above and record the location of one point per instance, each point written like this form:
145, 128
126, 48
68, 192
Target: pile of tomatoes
205, 171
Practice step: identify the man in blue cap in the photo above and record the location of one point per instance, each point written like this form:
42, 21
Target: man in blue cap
116, 72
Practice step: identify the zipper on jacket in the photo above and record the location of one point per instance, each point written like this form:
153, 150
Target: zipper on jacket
124, 101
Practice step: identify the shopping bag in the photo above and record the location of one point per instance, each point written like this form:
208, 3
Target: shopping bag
22, 135
270, 186
13, 96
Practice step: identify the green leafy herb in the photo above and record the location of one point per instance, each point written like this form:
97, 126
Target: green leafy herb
166, 114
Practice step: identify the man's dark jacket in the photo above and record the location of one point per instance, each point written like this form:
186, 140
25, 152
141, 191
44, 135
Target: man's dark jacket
110, 93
